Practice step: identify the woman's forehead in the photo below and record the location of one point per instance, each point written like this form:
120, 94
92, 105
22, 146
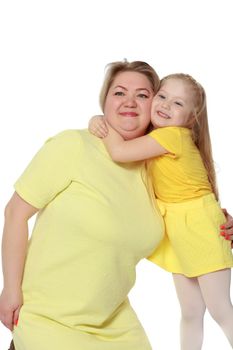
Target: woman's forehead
131, 80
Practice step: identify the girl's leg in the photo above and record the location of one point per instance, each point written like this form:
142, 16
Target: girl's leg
192, 312
215, 288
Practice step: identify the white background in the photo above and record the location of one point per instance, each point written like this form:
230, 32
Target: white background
52, 60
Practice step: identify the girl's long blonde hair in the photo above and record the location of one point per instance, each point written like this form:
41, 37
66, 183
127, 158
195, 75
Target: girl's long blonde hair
198, 124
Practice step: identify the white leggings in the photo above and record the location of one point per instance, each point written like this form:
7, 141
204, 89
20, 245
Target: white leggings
211, 291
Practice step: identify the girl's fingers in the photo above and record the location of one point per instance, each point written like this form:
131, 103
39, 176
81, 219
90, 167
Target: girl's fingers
103, 131
99, 131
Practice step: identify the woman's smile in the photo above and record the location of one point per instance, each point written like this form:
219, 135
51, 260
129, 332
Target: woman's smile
129, 114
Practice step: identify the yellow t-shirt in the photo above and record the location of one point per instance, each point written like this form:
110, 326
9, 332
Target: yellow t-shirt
96, 223
179, 175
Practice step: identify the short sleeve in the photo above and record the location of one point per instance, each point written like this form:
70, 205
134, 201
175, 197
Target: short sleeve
51, 170
169, 138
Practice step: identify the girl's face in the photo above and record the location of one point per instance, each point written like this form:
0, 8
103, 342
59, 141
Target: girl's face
128, 104
173, 105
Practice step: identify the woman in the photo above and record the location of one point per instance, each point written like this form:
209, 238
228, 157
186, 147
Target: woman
89, 234
88, 237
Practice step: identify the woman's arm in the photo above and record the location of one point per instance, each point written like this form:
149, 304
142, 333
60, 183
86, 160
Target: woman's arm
227, 228
14, 249
141, 148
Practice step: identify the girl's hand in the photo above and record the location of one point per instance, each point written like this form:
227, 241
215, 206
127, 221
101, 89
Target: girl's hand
10, 305
227, 228
98, 127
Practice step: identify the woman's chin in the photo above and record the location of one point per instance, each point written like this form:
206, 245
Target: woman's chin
129, 124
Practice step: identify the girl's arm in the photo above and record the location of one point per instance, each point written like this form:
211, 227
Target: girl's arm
97, 126
14, 249
141, 148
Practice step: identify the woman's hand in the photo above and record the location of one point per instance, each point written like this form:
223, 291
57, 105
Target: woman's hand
98, 127
14, 251
10, 305
227, 228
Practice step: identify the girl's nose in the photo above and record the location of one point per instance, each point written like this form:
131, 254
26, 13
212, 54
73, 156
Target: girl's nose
166, 104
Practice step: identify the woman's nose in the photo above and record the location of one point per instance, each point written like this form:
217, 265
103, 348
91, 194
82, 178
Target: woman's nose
130, 101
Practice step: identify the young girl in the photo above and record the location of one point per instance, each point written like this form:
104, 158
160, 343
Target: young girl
183, 181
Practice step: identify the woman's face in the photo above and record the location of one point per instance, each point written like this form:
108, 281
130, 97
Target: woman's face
128, 104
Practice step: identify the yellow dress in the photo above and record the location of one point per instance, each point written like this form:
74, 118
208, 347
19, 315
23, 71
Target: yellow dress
95, 224
192, 244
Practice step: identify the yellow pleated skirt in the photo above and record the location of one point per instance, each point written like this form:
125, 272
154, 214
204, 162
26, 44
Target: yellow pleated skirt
192, 245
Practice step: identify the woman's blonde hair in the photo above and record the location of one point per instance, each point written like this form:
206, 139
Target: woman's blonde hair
198, 124
114, 68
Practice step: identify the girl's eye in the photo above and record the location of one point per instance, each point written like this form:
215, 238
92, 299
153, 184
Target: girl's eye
119, 93
161, 96
179, 103
143, 96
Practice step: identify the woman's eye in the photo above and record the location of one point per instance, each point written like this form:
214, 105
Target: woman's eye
142, 96
119, 93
